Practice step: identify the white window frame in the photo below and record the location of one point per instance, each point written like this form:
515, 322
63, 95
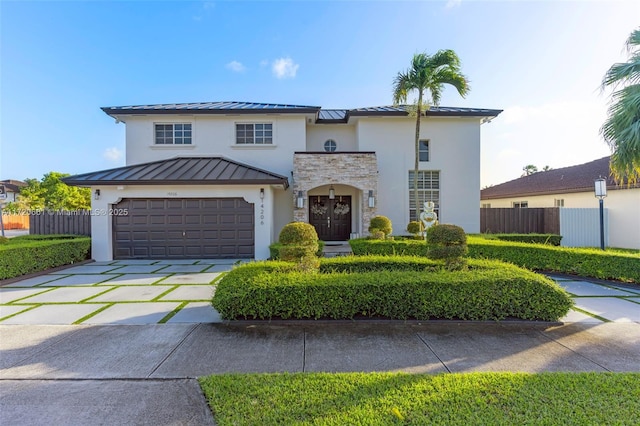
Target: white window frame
426, 151
265, 140
558, 202
486, 205
520, 204
176, 133
428, 190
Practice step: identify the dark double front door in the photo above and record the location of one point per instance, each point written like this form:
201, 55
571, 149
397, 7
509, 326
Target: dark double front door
331, 218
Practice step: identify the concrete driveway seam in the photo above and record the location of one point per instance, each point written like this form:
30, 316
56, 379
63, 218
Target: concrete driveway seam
434, 352
172, 351
580, 354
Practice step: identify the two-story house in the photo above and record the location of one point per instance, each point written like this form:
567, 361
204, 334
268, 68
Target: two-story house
221, 179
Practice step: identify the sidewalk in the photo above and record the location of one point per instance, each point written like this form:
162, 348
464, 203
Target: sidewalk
128, 374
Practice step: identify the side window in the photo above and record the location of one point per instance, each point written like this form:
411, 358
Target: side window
423, 152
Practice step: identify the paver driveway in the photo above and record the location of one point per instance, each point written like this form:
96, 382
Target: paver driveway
117, 292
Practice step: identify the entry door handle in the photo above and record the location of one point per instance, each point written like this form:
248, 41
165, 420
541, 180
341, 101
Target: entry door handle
328, 221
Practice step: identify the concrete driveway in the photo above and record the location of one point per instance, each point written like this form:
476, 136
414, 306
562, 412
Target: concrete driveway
180, 291
117, 292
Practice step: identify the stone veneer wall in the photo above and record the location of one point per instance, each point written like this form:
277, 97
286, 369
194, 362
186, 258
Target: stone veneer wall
359, 170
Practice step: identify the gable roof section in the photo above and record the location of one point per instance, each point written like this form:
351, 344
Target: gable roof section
12, 185
212, 108
181, 171
580, 178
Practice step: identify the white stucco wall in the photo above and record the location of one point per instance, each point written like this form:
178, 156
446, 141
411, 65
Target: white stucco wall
344, 135
102, 222
623, 206
454, 151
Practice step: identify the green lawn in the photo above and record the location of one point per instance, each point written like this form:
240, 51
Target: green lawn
448, 399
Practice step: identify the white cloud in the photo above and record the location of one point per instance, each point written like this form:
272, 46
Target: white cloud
452, 3
113, 154
235, 66
284, 68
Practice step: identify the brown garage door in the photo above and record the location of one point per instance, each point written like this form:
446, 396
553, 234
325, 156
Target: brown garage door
183, 228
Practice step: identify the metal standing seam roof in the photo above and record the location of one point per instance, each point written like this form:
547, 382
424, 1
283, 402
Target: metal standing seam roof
579, 178
181, 171
322, 115
212, 108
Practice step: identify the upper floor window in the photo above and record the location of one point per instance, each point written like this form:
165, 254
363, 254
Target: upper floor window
558, 202
423, 152
173, 134
330, 145
254, 133
520, 204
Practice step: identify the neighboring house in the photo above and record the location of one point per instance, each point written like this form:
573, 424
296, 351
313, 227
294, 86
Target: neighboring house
573, 187
221, 179
12, 187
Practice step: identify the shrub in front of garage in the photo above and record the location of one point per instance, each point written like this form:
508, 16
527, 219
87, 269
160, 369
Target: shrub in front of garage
394, 287
22, 256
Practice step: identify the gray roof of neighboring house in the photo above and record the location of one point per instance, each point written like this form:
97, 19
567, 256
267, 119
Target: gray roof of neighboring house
181, 171
580, 178
322, 115
12, 185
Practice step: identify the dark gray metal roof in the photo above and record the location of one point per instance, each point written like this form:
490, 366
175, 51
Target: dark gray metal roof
212, 108
433, 111
342, 115
181, 171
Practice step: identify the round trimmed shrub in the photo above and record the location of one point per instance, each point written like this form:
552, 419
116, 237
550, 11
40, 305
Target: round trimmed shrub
448, 242
298, 233
414, 227
381, 223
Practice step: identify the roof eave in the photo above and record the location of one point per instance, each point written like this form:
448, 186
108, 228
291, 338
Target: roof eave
87, 183
121, 111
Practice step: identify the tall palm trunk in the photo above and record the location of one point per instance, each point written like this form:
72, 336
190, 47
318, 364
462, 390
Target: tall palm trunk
416, 166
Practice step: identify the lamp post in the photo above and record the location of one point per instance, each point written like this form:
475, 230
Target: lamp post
601, 192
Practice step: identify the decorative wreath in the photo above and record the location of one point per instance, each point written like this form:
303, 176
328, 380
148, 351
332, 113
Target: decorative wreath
341, 208
318, 209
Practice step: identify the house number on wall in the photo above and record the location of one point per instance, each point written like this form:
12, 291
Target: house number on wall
261, 213
172, 194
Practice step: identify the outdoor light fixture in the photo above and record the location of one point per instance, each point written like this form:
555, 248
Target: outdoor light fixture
332, 193
262, 193
372, 200
300, 200
601, 192
96, 195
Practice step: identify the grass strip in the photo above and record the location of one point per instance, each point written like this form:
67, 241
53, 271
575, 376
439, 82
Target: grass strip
450, 399
92, 314
172, 313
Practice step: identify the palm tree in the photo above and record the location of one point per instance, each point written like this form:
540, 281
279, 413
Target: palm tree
621, 130
427, 76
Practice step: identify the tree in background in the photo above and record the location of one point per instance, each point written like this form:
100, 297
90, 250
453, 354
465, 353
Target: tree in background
51, 193
427, 76
530, 169
621, 130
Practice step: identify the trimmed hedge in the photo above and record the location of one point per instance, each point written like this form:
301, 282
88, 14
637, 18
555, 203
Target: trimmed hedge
396, 288
577, 261
551, 239
31, 255
274, 250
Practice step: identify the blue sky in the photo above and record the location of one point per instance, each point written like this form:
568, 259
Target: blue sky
540, 61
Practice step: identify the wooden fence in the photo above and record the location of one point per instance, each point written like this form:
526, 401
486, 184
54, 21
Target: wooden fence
15, 221
61, 222
520, 221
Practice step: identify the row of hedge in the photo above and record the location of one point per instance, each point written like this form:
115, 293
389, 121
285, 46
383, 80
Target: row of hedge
274, 250
28, 255
395, 288
577, 261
